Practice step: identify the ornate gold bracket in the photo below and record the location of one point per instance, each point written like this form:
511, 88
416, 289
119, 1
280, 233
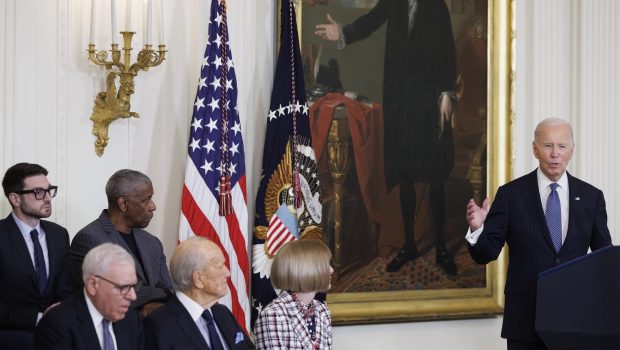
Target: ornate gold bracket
111, 105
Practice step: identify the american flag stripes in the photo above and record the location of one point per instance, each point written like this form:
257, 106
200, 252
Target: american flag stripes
216, 150
282, 229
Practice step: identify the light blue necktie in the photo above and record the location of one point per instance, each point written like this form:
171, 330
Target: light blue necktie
108, 342
553, 214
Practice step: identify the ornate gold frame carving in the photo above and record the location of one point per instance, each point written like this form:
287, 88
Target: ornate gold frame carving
383, 307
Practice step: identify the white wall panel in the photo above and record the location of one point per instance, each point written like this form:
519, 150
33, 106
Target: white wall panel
7, 79
62, 108
599, 107
543, 71
567, 56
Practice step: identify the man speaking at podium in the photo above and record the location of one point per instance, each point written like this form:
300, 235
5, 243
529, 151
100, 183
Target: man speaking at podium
546, 217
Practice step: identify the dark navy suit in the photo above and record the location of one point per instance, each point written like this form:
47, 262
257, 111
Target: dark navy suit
171, 327
517, 218
70, 326
20, 298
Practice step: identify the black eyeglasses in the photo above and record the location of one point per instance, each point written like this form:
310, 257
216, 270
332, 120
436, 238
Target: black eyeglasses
39, 193
123, 289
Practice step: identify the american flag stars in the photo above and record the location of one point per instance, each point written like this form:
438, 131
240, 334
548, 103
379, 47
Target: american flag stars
214, 104
212, 125
196, 124
215, 152
199, 103
206, 127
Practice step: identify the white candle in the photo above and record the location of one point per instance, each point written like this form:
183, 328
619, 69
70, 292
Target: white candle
149, 21
128, 17
144, 21
161, 22
113, 11
92, 22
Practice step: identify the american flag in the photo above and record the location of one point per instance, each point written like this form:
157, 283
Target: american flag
282, 229
215, 150
289, 189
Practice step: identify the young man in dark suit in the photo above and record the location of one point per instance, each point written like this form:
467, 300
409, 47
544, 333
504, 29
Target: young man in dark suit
34, 255
193, 319
546, 217
130, 209
99, 316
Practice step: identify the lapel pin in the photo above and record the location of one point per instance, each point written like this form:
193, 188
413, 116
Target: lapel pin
577, 198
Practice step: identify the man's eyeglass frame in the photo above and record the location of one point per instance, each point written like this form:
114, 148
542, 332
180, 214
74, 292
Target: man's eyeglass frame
39, 193
123, 290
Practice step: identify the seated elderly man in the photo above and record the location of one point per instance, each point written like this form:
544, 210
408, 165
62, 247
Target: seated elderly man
98, 317
193, 319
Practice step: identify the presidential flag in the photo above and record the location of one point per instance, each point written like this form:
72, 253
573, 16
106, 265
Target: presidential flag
214, 193
289, 187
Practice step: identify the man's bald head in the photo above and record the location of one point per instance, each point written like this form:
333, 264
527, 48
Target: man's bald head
195, 254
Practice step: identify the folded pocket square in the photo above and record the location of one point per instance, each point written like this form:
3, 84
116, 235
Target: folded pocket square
239, 338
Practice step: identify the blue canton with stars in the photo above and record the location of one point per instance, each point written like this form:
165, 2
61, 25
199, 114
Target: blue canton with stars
205, 141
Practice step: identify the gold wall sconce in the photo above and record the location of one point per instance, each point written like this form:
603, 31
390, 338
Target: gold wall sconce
113, 103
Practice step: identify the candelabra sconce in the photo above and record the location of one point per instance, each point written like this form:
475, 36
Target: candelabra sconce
111, 105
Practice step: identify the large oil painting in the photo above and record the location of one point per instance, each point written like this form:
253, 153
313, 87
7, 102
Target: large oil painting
395, 182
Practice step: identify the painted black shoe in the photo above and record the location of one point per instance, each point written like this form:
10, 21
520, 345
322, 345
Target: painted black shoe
401, 258
446, 262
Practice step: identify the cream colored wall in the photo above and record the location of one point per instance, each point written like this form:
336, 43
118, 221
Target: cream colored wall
566, 65
49, 87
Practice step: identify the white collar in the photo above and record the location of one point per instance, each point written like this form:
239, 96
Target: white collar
195, 310
94, 313
544, 181
24, 227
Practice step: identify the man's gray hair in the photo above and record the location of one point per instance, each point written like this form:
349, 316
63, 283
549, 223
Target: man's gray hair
187, 258
98, 260
550, 122
123, 183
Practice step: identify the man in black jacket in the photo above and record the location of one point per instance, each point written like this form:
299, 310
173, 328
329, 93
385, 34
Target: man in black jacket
193, 318
99, 316
546, 217
34, 255
130, 209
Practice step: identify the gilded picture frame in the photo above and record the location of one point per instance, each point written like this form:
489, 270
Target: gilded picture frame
428, 304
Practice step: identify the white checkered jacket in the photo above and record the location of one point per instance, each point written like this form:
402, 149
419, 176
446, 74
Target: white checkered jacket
280, 326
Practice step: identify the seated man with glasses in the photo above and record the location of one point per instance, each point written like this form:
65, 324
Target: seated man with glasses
34, 255
130, 209
99, 316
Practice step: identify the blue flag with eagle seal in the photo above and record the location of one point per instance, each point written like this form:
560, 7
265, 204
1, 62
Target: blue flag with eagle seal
288, 203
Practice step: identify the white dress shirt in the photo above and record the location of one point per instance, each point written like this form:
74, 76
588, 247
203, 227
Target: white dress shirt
25, 229
97, 318
544, 190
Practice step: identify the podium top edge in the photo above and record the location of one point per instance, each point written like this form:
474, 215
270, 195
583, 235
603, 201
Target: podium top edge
597, 252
